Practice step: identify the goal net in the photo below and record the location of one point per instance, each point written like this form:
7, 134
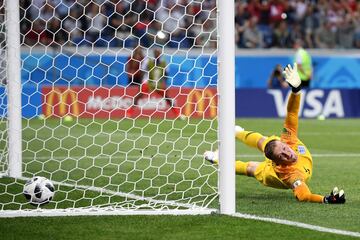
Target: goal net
3, 94
119, 102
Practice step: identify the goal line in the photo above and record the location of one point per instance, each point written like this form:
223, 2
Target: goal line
297, 224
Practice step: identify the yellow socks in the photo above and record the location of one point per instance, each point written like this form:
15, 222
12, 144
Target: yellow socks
241, 167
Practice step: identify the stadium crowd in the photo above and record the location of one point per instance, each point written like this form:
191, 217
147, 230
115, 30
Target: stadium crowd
185, 23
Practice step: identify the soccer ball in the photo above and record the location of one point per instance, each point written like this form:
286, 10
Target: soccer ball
39, 190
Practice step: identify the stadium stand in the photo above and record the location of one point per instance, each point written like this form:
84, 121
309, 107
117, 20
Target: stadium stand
276, 23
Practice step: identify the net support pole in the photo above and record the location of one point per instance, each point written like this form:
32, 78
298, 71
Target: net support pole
226, 89
14, 87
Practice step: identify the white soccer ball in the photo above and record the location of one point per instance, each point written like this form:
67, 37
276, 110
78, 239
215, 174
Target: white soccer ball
39, 190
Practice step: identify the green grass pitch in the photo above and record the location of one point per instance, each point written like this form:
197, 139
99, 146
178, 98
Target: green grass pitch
71, 151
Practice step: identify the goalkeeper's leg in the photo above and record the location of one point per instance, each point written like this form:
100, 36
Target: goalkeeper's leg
241, 168
250, 138
246, 168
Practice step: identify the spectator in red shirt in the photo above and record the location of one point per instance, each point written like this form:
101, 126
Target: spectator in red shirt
277, 11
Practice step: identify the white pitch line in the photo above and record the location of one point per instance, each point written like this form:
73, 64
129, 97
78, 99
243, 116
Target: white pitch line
172, 136
336, 155
298, 224
317, 155
329, 133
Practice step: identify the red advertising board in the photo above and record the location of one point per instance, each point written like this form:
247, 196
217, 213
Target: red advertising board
115, 102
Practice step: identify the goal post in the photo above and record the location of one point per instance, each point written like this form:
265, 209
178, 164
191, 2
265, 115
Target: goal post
115, 102
226, 88
14, 88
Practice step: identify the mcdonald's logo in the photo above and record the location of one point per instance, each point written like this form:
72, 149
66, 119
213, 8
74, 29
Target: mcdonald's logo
61, 102
200, 102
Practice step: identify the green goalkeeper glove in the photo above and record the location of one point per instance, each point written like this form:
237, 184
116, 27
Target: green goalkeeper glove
292, 77
335, 196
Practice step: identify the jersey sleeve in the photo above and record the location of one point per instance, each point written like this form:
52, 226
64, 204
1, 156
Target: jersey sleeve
289, 133
303, 193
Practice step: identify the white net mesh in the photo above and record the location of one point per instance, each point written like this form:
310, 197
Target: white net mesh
119, 103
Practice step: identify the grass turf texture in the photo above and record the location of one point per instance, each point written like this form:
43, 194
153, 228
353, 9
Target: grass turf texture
153, 227
82, 139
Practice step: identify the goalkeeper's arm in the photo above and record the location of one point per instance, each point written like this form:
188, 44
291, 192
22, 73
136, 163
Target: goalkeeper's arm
293, 105
303, 194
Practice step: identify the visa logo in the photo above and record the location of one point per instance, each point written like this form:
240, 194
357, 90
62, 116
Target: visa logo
313, 103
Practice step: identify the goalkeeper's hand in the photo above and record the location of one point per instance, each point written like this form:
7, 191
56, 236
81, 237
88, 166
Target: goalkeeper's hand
292, 77
335, 196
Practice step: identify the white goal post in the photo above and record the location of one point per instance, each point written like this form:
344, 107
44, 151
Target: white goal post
118, 129
14, 88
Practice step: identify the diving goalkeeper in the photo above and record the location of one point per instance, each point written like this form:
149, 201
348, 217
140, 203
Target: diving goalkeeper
288, 162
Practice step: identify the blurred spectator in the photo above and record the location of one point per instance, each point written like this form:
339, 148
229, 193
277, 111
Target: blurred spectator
240, 19
34, 9
296, 33
47, 12
325, 36
334, 13
259, 9
278, 10
118, 30
207, 34
195, 32
346, 32
134, 67
38, 34
172, 20
276, 79
304, 63
253, 8
309, 23
282, 37
349, 5
252, 36
300, 7
74, 26
140, 29
357, 30
62, 7
58, 35
97, 20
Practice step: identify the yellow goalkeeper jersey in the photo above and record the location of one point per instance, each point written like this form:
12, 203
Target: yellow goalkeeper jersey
302, 168
283, 176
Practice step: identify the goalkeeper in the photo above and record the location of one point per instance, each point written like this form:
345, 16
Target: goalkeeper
288, 163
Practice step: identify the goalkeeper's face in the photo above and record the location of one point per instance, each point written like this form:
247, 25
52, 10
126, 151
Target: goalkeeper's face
283, 154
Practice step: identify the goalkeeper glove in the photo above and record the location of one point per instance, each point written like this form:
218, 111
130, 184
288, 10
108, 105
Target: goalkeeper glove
292, 77
335, 196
